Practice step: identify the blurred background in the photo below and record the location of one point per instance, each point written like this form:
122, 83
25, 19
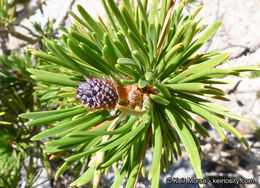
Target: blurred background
23, 23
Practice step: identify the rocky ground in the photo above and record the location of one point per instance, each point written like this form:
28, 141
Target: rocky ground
240, 35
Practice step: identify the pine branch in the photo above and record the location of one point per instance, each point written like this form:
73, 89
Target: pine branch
19, 35
28, 11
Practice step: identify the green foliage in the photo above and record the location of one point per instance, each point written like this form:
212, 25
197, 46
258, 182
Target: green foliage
22, 1
45, 30
16, 97
255, 74
156, 54
16, 84
7, 11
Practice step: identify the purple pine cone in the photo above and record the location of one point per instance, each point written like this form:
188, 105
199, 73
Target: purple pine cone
97, 94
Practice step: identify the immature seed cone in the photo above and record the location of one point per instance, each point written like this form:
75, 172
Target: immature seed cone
97, 94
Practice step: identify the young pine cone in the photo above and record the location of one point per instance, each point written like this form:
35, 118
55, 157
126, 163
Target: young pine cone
97, 94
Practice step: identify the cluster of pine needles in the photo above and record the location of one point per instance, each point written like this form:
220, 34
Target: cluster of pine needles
149, 56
